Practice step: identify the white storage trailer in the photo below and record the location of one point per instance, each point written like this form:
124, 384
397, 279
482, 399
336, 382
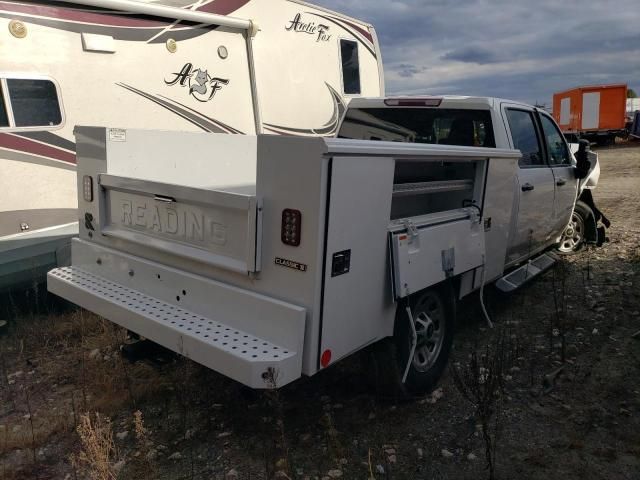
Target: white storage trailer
266, 258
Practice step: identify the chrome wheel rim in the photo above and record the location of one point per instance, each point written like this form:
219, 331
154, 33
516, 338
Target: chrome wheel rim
573, 234
429, 320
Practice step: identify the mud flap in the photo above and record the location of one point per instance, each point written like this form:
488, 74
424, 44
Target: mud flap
601, 236
597, 233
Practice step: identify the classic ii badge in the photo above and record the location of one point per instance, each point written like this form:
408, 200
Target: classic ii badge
283, 262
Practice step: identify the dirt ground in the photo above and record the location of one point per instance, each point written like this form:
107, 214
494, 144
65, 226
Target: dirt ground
58, 364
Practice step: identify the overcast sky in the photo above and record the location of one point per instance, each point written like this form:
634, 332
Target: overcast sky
518, 49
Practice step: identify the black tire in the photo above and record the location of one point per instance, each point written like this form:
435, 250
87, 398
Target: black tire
392, 355
574, 235
605, 140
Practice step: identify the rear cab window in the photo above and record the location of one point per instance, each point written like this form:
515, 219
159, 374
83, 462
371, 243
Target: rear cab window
29, 103
445, 126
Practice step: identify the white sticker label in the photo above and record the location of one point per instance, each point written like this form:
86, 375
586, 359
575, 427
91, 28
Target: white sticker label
117, 135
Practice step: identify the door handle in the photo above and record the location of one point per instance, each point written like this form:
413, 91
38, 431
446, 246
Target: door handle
164, 199
527, 187
560, 182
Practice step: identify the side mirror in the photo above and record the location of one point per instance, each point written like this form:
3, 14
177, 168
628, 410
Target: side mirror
582, 158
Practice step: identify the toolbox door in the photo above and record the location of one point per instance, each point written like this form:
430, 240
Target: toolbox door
425, 255
357, 306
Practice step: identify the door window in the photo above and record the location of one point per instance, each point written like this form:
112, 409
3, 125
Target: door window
350, 66
556, 147
525, 137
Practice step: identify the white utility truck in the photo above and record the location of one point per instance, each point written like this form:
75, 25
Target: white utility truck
270, 257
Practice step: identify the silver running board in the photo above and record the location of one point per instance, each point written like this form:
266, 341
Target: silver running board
521, 275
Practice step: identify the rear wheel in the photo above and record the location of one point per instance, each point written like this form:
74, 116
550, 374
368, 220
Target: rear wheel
573, 237
433, 317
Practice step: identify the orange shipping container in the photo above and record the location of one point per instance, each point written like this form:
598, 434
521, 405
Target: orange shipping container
596, 109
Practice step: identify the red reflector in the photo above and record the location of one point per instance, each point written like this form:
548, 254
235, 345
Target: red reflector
325, 359
402, 237
413, 102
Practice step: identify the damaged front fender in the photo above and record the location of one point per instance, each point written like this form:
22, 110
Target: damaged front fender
596, 224
588, 174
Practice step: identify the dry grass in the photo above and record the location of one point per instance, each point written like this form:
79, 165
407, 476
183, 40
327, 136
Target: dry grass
143, 466
481, 381
138, 425
51, 368
97, 454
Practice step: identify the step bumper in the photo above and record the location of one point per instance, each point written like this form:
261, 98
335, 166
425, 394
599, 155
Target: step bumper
238, 354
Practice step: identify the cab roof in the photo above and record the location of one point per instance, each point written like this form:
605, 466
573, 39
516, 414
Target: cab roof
436, 101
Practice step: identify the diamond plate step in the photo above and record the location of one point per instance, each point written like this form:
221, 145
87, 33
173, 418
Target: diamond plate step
237, 354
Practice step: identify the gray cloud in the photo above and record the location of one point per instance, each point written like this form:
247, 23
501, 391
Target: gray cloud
509, 48
472, 54
408, 70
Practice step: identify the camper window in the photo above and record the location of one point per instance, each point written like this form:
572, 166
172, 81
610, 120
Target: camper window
350, 66
4, 118
34, 102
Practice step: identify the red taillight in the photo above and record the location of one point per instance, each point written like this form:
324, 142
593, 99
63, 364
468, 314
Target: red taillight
413, 102
291, 226
325, 358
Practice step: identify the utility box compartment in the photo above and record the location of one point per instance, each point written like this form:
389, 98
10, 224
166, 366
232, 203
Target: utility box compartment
428, 253
170, 252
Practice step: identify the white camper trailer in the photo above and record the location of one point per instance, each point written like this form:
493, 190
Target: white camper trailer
235, 67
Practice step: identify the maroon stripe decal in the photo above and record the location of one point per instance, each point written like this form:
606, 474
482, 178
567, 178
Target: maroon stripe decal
364, 32
82, 16
223, 7
13, 142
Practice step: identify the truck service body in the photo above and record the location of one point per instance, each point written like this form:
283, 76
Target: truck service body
266, 258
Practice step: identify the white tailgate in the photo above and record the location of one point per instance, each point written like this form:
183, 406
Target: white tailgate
210, 226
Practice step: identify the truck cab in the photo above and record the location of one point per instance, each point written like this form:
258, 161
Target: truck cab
547, 187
